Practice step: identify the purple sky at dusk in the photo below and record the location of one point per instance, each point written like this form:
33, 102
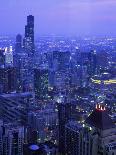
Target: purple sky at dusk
77, 17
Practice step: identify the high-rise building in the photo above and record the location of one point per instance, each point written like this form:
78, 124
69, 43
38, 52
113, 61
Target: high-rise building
44, 122
65, 111
101, 134
21, 62
18, 46
92, 63
8, 80
2, 58
59, 68
41, 83
97, 136
29, 49
18, 51
73, 138
9, 56
29, 35
11, 139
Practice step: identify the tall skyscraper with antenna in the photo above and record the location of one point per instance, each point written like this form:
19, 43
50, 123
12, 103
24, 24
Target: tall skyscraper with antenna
29, 49
29, 35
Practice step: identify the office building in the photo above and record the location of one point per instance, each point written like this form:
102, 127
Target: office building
44, 122
29, 49
101, 135
29, 36
11, 139
18, 46
97, 136
65, 112
41, 83
8, 79
9, 56
73, 138
92, 63
59, 68
17, 51
2, 58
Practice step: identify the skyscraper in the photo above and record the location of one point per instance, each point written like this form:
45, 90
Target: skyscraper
29, 35
29, 50
11, 139
41, 83
65, 111
2, 58
9, 56
8, 80
18, 46
92, 63
73, 138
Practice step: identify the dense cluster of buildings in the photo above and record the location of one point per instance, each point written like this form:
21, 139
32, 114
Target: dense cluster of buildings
57, 97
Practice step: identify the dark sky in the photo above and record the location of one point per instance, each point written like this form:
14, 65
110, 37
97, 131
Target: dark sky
77, 17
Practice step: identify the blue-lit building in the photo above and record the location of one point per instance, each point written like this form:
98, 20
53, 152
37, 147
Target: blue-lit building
8, 79
41, 83
73, 138
29, 48
11, 138
92, 63
29, 35
2, 58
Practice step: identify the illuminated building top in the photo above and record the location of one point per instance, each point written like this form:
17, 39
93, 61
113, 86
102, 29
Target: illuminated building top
100, 119
100, 107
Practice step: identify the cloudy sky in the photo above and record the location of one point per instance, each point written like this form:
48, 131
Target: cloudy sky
76, 17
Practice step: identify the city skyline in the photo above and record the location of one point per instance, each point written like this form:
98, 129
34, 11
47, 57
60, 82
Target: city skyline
60, 17
57, 93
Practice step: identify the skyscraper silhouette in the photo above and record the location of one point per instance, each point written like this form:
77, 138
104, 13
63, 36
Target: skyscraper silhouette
18, 46
29, 50
29, 35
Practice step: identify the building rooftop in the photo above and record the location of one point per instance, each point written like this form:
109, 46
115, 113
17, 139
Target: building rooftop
25, 94
100, 119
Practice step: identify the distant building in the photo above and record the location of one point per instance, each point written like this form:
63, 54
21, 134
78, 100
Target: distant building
59, 68
2, 58
9, 56
92, 63
17, 51
18, 46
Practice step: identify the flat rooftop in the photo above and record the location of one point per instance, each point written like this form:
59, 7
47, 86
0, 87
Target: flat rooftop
16, 95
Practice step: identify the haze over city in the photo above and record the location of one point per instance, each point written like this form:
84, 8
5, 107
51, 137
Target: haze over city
69, 17
58, 77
